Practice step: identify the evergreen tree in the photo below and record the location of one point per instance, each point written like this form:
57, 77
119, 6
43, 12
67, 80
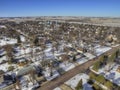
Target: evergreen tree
36, 41
117, 53
74, 58
79, 85
96, 66
18, 39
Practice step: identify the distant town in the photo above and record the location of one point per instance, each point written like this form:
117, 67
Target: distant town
59, 53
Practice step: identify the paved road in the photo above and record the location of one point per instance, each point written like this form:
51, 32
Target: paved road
63, 78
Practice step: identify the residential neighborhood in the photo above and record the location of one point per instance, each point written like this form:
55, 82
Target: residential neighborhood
38, 51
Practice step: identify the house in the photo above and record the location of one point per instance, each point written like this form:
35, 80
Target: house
118, 60
27, 69
80, 50
79, 56
2, 52
9, 78
3, 57
7, 81
3, 26
1, 78
118, 69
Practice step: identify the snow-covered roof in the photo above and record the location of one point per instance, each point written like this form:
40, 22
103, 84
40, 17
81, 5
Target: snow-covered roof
2, 26
2, 52
25, 70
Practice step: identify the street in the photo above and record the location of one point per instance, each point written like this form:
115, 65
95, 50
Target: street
78, 69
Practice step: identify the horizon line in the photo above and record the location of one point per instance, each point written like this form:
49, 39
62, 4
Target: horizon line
60, 16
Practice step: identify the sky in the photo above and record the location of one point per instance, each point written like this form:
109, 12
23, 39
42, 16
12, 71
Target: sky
93, 8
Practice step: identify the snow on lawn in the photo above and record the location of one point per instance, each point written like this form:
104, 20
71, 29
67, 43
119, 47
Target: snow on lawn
29, 87
85, 59
87, 86
6, 41
110, 73
2, 85
4, 67
37, 63
58, 54
3, 26
57, 88
66, 66
101, 50
48, 49
22, 51
48, 52
74, 81
82, 60
47, 74
25, 84
90, 56
113, 75
22, 38
4, 58
25, 50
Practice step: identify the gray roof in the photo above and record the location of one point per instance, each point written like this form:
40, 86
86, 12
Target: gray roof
25, 70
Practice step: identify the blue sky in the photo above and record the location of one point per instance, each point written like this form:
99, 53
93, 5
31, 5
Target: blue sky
97, 8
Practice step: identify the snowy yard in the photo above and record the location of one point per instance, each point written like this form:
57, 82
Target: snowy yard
82, 60
48, 76
57, 88
22, 51
4, 58
110, 72
101, 49
74, 81
4, 67
6, 41
85, 59
22, 38
25, 84
89, 56
66, 66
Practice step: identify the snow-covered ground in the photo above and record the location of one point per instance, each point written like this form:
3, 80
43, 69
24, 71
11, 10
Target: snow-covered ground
58, 54
6, 41
48, 52
67, 66
2, 85
57, 88
4, 58
101, 49
89, 56
82, 60
25, 50
25, 83
47, 74
22, 51
85, 59
74, 81
4, 67
22, 38
3, 26
113, 75
110, 72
